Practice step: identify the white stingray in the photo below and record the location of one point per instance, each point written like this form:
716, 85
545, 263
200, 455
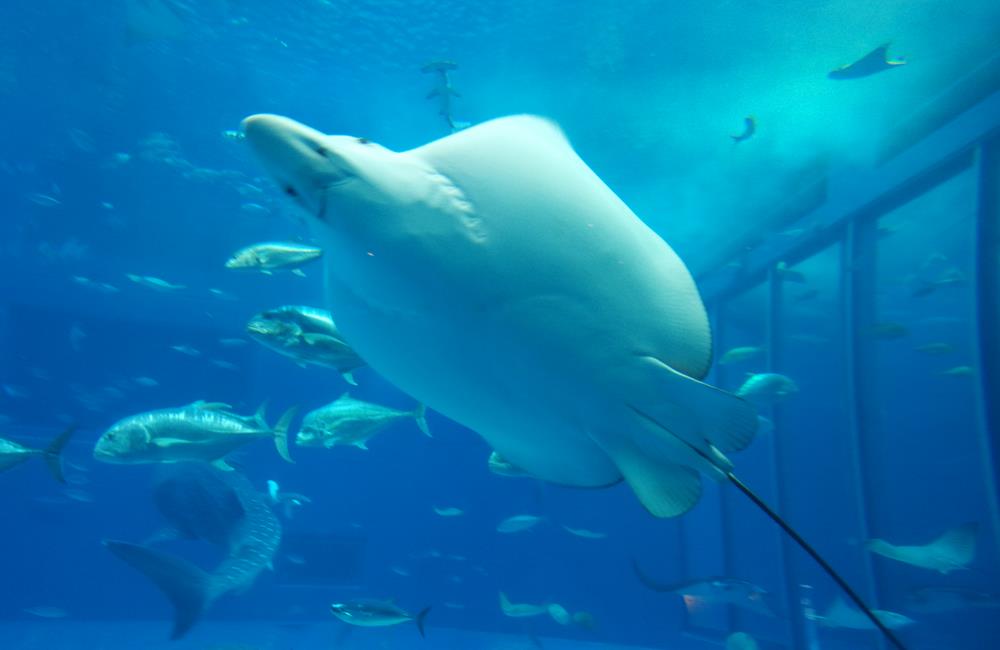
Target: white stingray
494, 277
952, 551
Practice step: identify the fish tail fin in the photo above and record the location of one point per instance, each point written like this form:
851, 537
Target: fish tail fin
420, 415
814, 554
281, 433
53, 453
959, 542
184, 584
419, 620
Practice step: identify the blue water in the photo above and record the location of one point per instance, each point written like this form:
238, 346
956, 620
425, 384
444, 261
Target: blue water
113, 161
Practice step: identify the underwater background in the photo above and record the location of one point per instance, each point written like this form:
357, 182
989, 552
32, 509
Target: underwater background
842, 241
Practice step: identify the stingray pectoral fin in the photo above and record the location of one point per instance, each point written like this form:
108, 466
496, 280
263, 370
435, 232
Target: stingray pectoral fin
958, 543
694, 411
665, 489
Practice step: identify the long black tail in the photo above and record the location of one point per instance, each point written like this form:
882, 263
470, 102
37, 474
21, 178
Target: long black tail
53, 453
742, 487
182, 582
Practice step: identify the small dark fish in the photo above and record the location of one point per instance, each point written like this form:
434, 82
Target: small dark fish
749, 128
888, 331
946, 599
875, 61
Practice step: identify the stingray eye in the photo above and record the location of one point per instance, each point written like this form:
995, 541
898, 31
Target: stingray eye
290, 191
364, 141
322, 152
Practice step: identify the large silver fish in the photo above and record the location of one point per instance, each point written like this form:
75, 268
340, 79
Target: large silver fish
266, 257
377, 613
222, 508
203, 431
349, 421
307, 336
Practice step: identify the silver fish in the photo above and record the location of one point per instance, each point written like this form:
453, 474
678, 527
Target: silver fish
349, 421
519, 523
200, 431
272, 256
307, 336
767, 388
377, 613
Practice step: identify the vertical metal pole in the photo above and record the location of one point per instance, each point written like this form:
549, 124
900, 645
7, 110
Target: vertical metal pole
987, 322
725, 510
859, 269
775, 341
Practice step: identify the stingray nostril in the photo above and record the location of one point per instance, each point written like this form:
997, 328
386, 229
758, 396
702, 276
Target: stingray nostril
323, 152
364, 141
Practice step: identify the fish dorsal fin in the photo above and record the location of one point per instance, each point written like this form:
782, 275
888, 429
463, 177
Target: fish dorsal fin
261, 413
958, 543
211, 406
840, 613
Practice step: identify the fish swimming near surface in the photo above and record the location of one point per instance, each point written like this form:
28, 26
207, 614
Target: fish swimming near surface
221, 508
952, 551
476, 273
349, 421
307, 336
935, 600
267, 257
377, 613
444, 91
872, 63
204, 431
713, 591
749, 128
13, 454
842, 615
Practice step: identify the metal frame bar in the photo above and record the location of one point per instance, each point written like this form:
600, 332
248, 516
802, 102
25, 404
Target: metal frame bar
858, 264
987, 321
775, 346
